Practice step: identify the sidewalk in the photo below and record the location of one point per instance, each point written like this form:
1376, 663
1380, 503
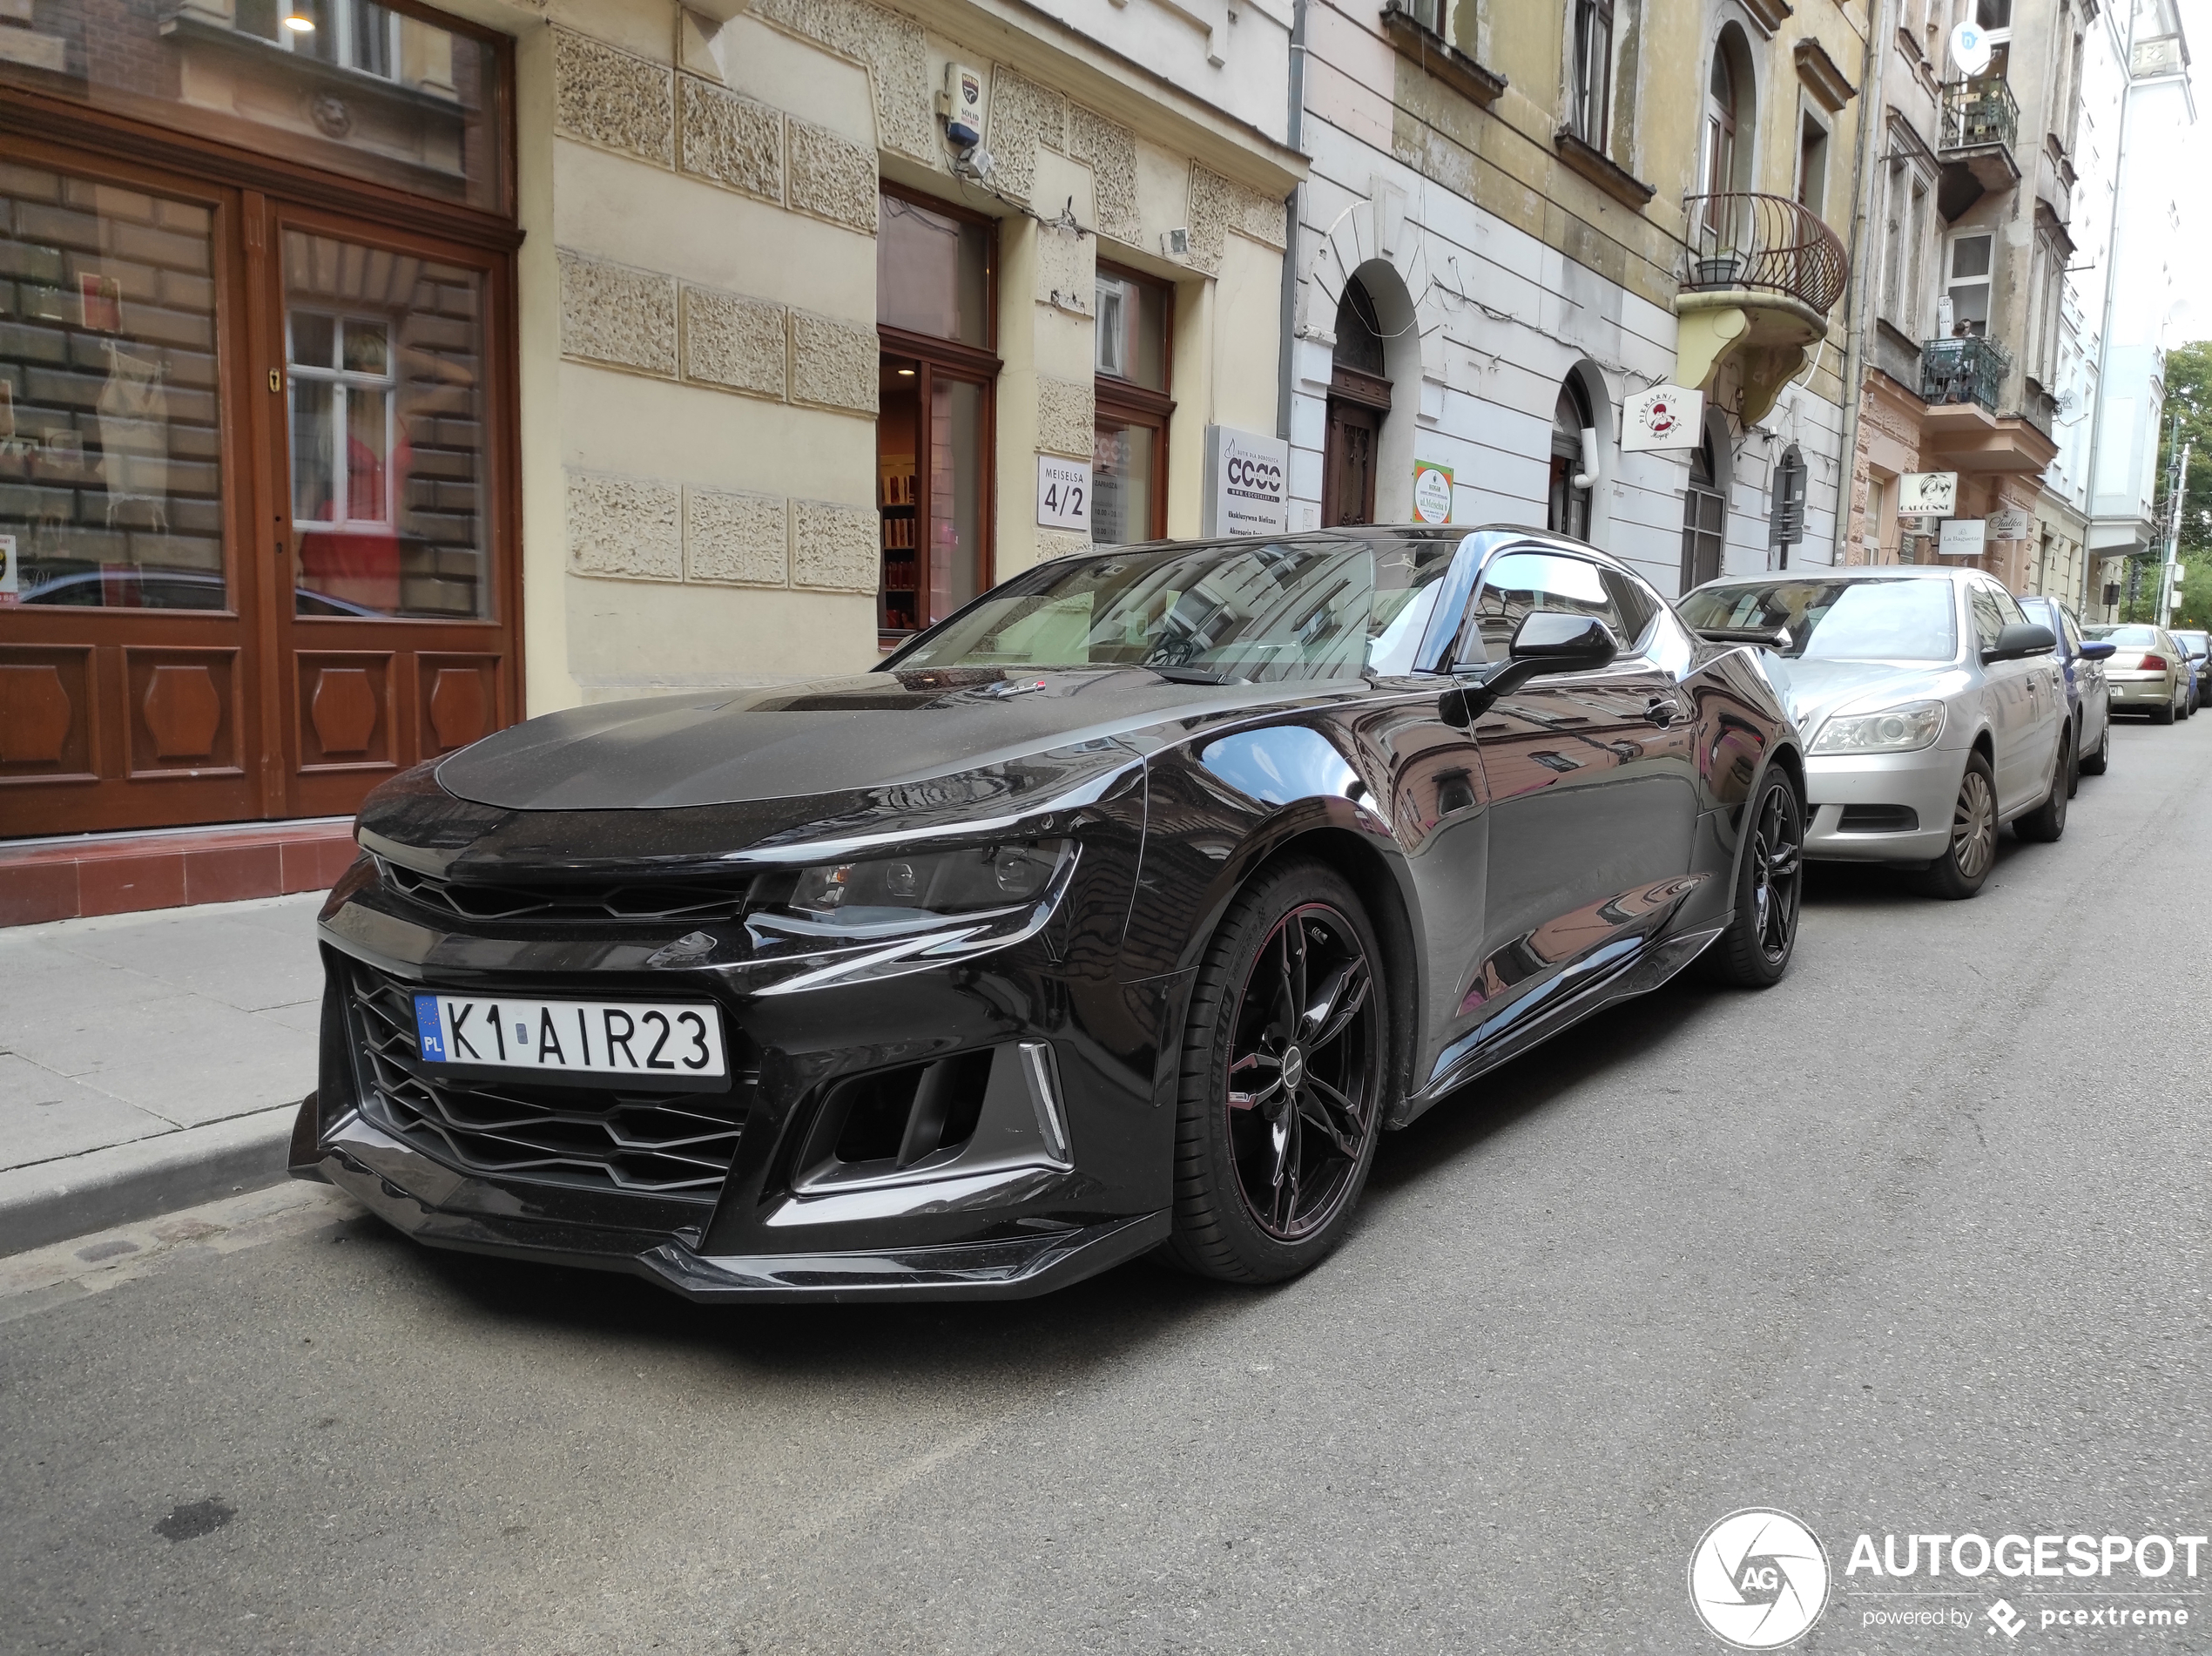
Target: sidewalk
150, 1061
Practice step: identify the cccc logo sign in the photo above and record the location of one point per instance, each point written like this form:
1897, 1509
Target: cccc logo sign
1759, 1579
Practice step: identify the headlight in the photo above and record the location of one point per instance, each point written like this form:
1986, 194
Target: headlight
902, 890
1894, 730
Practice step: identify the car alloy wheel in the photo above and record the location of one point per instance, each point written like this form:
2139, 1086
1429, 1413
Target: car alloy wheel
1302, 1086
1973, 825
1755, 950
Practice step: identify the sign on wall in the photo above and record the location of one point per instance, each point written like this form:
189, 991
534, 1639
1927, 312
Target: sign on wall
1431, 492
1962, 537
1064, 492
2012, 524
10, 572
1248, 483
1666, 416
1927, 494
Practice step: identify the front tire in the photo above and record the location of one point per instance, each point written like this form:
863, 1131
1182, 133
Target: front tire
2048, 821
1965, 865
2096, 764
1285, 1069
1755, 950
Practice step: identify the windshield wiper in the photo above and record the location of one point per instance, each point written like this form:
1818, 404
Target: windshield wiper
1192, 675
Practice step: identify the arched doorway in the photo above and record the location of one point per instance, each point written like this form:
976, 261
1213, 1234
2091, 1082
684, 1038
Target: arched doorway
1359, 402
1569, 510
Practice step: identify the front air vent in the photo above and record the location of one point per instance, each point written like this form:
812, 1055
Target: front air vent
997, 1107
1878, 819
588, 903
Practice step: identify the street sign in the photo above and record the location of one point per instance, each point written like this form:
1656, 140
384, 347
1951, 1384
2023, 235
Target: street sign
1431, 492
1064, 492
1930, 494
2012, 524
1248, 483
1666, 416
1962, 537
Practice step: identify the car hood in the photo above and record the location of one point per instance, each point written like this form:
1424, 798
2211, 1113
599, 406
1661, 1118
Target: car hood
1813, 689
827, 736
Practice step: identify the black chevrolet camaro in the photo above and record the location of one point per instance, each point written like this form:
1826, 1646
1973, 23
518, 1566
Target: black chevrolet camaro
1121, 912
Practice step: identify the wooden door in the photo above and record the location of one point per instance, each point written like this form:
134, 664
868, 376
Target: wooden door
1348, 464
131, 688
394, 625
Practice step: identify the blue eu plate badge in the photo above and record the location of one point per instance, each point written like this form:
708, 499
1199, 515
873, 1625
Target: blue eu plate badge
432, 1031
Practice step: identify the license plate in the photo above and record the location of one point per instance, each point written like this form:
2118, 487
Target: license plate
585, 1038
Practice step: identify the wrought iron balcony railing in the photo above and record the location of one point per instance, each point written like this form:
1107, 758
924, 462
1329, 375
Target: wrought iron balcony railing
1979, 113
1742, 240
1964, 370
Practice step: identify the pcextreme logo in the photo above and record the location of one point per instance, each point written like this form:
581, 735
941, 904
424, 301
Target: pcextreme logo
1758, 1579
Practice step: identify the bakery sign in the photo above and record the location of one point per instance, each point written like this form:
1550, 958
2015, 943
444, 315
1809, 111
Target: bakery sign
1666, 416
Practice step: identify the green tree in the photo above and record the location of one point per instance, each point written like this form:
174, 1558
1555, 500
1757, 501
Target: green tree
2188, 393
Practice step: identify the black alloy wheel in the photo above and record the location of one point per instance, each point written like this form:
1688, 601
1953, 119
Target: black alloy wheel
1755, 950
1960, 871
2096, 764
1285, 1068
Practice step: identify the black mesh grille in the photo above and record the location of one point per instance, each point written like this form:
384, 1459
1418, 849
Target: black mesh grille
588, 901
1878, 818
664, 1143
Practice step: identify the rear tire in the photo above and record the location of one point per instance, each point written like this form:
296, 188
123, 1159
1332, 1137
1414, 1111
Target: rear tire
1286, 1069
2096, 764
1755, 950
2162, 714
2048, 821
1961, 869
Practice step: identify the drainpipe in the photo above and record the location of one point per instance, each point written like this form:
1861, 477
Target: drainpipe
1295, 136
1870, 81
2112, 292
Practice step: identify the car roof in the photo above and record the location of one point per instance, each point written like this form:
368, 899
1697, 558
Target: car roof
1848, 573
1441, 533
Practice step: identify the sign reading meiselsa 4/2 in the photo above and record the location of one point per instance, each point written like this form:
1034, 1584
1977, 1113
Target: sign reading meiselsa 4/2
1064, 492
1248, 483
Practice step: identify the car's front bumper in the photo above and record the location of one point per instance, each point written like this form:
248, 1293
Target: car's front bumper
1859, 790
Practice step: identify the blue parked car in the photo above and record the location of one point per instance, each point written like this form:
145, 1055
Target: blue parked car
2088, 695
2199, 644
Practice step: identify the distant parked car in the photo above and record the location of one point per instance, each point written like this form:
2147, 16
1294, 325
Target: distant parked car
2199, 645
2088, 698
1934, 709
2148, 673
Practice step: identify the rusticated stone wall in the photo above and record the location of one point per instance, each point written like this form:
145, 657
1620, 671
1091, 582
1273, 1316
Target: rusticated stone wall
652, 529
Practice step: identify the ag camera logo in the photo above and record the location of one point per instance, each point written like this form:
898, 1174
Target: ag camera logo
1758, 1579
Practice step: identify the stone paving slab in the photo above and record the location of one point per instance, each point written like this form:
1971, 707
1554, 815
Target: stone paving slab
149, 1059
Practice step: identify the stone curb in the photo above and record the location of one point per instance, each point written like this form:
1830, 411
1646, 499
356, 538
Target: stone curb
124, 1184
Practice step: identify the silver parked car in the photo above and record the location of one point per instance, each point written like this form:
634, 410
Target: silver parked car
1934, 709
2148, 673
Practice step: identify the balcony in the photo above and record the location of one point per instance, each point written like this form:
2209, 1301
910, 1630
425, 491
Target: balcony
1760, 275
1964, 370
1962, 381
1981, 125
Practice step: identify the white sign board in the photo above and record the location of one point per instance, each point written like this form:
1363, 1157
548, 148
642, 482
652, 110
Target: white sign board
1064, 492
1927, 494
1431, 492
1248, 483
1962, 537
2012, 524
10, 571
1666, 416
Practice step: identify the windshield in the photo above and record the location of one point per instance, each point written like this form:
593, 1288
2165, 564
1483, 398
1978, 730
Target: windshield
1239, 612
2142, 637
1878, 620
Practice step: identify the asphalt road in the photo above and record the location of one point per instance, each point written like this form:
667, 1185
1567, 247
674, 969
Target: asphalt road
1914, 1242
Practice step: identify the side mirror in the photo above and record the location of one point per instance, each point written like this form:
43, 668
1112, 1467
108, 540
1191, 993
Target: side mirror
1545, 641
2019, 641
2099, 650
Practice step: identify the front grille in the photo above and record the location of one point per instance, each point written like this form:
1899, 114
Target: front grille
656, 1144
590, 901
1878, 819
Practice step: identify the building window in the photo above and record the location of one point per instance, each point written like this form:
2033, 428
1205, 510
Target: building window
1574, 445
935, 276
1812, 166
1129, 465
1966, 287
354, 34
1592, 71
1704, 519
1789, 479
1716, 158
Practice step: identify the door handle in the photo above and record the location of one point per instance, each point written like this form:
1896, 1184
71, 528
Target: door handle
1660, 712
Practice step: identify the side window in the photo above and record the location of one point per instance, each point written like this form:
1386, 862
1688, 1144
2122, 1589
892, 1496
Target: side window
2073, 636
1638, 605
1989, 619
1516, 585
2009, 607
